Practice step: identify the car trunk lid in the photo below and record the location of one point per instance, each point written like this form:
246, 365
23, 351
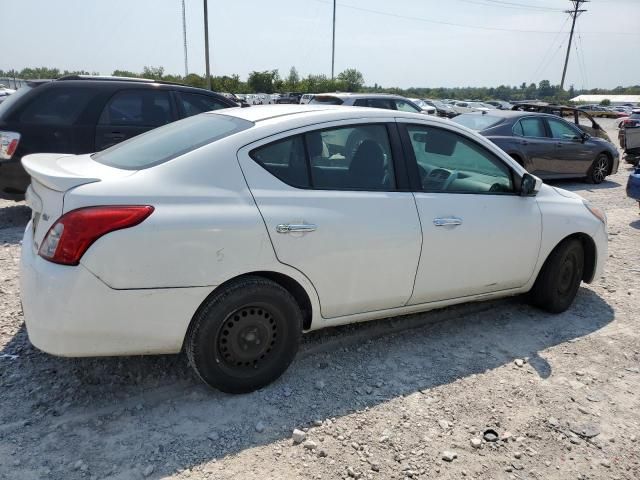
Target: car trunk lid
54, 174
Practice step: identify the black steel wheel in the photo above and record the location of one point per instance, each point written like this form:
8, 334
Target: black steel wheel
245, 335
558, 281
599, 169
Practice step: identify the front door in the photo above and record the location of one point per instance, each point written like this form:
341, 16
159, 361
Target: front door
333, 210
479, 235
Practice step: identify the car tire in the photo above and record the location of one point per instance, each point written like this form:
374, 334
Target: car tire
244, 336
599, 169
557, 284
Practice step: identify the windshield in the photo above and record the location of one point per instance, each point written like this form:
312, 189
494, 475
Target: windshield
13, 98
170, 141
477, 122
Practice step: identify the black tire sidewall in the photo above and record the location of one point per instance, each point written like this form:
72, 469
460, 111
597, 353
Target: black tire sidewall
202, 342
593, 169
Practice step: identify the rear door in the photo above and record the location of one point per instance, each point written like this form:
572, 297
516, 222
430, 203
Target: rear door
572, 157
131, 112
535, 142
334, 206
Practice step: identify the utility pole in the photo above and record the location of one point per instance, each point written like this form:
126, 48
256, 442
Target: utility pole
333, 42
574, 14
206, 43
184, 39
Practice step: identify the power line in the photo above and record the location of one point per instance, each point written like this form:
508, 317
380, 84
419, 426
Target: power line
550, 50
499, 4
461, 25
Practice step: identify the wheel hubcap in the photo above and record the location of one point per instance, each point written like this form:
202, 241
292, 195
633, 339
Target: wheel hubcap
247, 338
567, 276
600, 170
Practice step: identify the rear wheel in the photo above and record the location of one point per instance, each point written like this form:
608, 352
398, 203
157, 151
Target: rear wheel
599, 169
245, 336
558, 281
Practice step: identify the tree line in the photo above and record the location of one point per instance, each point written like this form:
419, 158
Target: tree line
350, 80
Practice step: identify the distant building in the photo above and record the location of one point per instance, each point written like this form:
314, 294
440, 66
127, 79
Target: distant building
614, 99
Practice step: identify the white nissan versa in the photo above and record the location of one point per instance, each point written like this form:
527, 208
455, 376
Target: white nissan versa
231, 233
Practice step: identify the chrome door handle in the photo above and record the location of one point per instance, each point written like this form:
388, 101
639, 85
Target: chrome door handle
295, 227
443, 222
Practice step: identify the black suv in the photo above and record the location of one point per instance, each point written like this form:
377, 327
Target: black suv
84, 114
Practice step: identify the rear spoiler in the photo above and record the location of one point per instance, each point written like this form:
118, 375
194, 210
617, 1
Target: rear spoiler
47, 169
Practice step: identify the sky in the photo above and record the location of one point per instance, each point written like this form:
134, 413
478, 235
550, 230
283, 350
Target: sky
403, 43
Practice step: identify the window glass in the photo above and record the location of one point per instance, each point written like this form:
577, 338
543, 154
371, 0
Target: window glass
561, 130
517, 129
194, 104
142, 108
532, 127
326, 100
385, 103
56, 106
286, 160
353, 158
406, 106
449, 162
361, 102
164, 143
476, 121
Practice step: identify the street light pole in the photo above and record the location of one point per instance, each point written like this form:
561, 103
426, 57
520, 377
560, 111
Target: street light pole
206, 44
184, 39
333, 42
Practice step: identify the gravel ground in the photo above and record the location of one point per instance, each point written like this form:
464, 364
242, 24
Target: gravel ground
412, 397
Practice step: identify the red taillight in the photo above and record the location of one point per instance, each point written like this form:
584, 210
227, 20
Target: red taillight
74, 232
8, 144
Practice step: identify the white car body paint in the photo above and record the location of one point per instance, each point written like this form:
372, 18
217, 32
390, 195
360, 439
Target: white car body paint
136, 290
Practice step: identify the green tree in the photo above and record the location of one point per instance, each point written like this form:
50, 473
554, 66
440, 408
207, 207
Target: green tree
352, 79
153, 72
605, 102
263, 82
293, 79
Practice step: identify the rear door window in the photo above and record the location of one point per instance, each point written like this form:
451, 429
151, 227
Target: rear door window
533, 127
406, 106
56, 106
140, 108
385, 103
193, 103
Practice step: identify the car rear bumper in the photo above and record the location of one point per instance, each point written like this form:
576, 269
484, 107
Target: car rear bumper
68, 311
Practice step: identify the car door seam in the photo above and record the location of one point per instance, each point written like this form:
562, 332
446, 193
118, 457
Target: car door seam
415, 277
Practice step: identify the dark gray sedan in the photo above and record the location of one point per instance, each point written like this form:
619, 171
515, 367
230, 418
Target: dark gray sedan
546, 145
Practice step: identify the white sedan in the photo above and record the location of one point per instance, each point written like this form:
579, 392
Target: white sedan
232, 232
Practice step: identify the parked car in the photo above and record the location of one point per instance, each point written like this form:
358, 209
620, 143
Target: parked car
442, 109
599, 111
625, 111
500, 104
289, 97
546, 145
424, 106
230, 233
5, 92
581, 119
630, 124
373, 100
306, 98
79, 114
633, 184
468, 107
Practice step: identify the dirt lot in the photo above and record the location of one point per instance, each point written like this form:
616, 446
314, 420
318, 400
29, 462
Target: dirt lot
384, 400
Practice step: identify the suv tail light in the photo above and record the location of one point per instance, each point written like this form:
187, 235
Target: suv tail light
73, 233
8, 144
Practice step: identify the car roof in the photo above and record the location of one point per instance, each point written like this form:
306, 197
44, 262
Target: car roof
267, 112
510, 113
359, 95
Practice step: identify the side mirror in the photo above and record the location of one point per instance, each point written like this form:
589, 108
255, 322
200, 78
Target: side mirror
528, 186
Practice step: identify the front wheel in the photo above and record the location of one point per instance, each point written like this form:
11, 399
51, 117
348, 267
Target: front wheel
558, 281
599, 169
244, 336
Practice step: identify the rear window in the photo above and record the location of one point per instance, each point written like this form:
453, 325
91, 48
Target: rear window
477, 122
326, 100
56, 106
170, 141
13, 98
